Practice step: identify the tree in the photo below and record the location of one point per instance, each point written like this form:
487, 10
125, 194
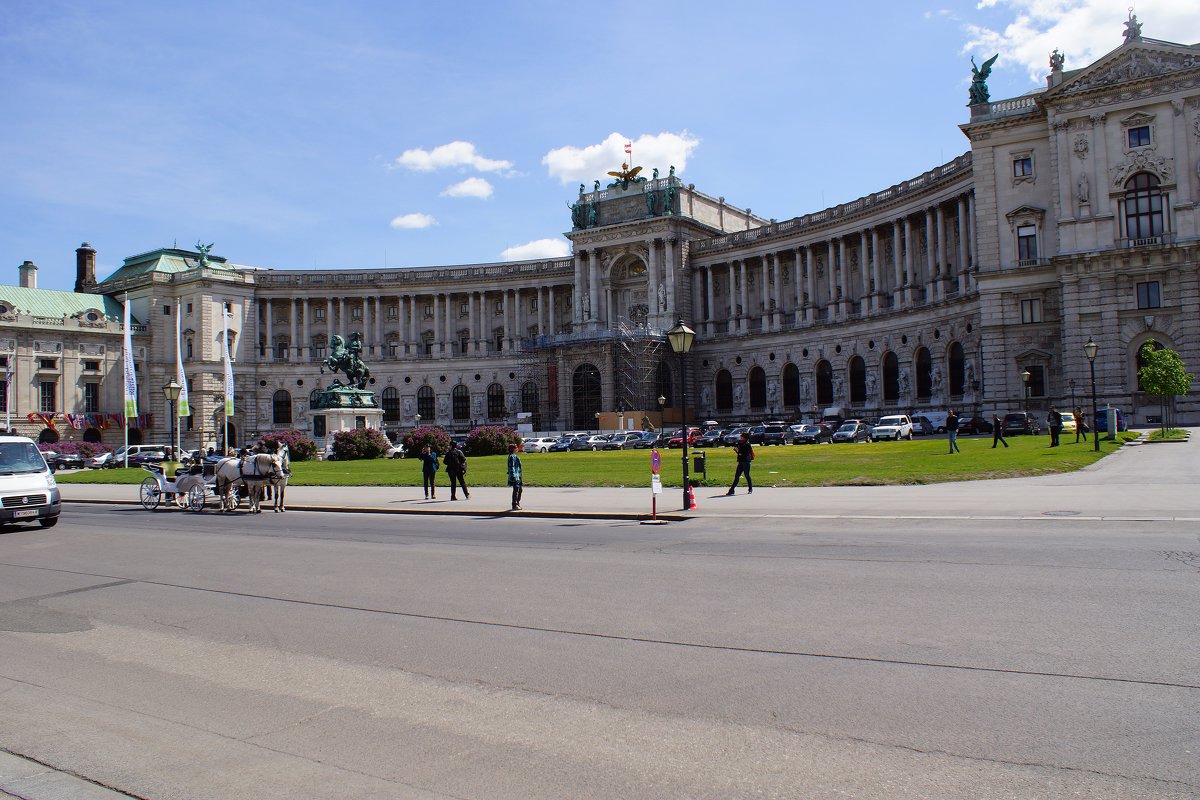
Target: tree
1162, 373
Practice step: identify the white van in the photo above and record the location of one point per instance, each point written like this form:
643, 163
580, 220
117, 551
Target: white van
28, 492
936, 419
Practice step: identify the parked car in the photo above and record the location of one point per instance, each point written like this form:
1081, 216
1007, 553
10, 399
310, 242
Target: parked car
57, 461
395, 451
677, 439
540, 444
711, 438
815, 434
895, 427
852, 432
1068, 422
922, 426
147, 457
776, 434
972, 425
646, 440
101, 461
1021, 422
561, 445
735, 435
621, 441
1101, 425
593, 442
756, 434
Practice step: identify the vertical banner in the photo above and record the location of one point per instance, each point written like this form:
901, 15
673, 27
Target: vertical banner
130, 376
181, 377
228, 363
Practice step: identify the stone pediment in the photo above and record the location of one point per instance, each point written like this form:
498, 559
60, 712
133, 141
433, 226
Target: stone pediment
1131, 62
1025, 211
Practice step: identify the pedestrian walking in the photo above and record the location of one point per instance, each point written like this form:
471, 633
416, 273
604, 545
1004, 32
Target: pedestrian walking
456, 470
997, 432
429, 469
1054, 422
1081, 428
745, 455
514, 476
952, 431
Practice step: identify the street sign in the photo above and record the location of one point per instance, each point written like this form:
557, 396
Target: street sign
655, 462
655, 485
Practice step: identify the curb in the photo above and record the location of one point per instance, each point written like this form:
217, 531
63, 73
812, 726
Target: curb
428, 512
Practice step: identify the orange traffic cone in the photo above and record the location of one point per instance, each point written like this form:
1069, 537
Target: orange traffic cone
691, 497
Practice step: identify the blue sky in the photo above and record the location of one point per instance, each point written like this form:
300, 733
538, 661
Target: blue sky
365, 134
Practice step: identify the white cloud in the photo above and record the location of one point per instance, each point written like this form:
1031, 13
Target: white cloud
471, 187
1082, 30
454, 154
585, 164
540, 248
413, 221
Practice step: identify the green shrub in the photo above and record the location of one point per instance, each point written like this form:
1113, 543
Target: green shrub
437, 439
359, 444
491, 440
300, 447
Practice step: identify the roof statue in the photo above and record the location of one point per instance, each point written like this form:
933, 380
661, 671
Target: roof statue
626, 176
979, 91
1133, 28
1057, 60
204, 250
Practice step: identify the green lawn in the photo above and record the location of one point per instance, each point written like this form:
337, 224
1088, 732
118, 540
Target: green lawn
1170, 435
916, 462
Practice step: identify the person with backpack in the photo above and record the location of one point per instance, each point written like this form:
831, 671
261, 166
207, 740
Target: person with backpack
456, 470
745, 455
429, 469
1054, 421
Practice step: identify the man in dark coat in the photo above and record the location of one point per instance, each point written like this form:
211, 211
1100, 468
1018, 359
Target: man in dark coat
745, 455
456, 470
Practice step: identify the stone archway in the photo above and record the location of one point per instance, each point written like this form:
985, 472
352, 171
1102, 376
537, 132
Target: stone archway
629, 283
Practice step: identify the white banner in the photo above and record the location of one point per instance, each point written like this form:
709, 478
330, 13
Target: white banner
228, 363
130, 375
181, 378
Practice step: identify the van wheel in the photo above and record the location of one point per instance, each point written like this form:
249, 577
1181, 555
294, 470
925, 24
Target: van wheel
48, 522
940, 430
910, 435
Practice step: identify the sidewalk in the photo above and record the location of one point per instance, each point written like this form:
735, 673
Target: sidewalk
1138, 482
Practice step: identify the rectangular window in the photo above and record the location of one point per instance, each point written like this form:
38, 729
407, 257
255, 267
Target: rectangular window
1037, 381
1140, 136
229, 307
189, 348
499, 342
91, 398
429, 347
49, 396
1023, 167
319, 426
91, 366
3, 395
464, 309
1031, 311
47, 363
499, 307
3, 362
393, 312
393, 349
319, 313
189, 308
463, 345
428, 310
356, 312
1149, 295
1026, 243
166, 311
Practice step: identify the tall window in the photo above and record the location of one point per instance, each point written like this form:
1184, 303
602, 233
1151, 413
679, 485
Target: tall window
461, 397
1141, 360
924, 374
824, 383
791, 385
956, 366
587, 397
1027, 243
49, 396
531, 402
91, 398
858, 380
1037, 380
664, 385
1031, 311
758, 388
3, 395
891, 378
1139, 136
425, 403
1149, 295
1143, 207
495, 400
724, 391
391, 404
281, 408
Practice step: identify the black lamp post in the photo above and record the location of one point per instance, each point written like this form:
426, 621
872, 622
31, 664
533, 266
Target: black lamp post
1089, 350
1071, 383
681, 337
1025, 390
171, 392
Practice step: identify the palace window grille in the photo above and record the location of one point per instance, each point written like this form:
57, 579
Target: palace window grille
791, 385
495, 401
924, 364
1143, 207
425, 403
391, 404
281, 408
461, 403
858, 380
724, 382
824, 374
758, 388
891, 378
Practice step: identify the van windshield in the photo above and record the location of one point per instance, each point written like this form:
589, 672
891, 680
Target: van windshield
17, 458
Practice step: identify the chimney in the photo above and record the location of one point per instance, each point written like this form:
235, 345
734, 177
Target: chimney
85, 268
28, 275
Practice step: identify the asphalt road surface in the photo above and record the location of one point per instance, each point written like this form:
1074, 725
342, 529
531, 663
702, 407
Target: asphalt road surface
310, 655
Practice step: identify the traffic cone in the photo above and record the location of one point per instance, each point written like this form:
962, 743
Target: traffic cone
691, 499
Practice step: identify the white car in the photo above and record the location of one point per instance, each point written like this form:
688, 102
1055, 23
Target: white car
395, 451
895, 427
539, 445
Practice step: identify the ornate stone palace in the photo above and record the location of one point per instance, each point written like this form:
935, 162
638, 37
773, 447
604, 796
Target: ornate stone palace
1072, 216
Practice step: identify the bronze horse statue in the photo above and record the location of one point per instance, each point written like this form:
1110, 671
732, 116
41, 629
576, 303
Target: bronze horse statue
345, 359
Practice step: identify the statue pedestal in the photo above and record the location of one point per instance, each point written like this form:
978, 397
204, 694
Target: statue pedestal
348, 419
344, 408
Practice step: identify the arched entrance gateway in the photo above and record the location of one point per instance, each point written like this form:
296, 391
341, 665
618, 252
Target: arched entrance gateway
630, 286
585, 388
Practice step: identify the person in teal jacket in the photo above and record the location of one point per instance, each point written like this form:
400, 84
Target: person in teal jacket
429, 468
514, 476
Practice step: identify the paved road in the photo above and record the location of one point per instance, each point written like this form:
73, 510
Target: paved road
381, 656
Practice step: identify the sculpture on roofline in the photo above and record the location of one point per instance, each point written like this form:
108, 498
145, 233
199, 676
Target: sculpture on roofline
1133, 28
979, 91
1056, 61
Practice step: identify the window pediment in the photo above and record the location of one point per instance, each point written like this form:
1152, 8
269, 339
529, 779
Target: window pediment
1025, 214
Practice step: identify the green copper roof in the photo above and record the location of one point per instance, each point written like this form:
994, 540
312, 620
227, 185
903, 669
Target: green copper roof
167, 259
53, 303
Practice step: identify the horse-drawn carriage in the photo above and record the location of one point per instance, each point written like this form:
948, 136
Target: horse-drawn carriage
229, 480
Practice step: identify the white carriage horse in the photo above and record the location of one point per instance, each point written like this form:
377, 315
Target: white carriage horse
254, 471
278, 485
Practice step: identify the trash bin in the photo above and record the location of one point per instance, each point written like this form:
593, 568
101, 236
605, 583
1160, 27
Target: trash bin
698, 463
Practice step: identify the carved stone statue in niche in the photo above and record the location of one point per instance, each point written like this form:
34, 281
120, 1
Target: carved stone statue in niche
705, 396
871, 384
904, 383
739, 395
1083, 188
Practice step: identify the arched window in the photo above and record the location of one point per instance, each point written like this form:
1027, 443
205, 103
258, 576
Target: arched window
791, 385
425, 404
530, 400
724, 391
281, 408
495, 398
891, 378
391, 404
664, 385
1143, 207
858, 380
956, 367
586, 391
1141, 360
824, 383
461, 405
758, 388
924, 374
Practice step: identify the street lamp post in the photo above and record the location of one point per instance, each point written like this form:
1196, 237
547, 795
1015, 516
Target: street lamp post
1025, 390
1071, 383
416, 420
681, 337
1089, 350
171, 392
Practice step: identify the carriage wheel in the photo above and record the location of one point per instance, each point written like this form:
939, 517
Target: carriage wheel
149, 494
232, 501
195, 497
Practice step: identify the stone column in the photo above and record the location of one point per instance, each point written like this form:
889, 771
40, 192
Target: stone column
551, 326
763, 285
594, 287
831, 269
710, 324
577, 305
414, 343
876, 284
972, 239
270, 330
864, 274
938, 276
797, 300
908, 262
292, 349
961, 272
930, 267
669, 270
777, 294
1102, 184
810, 307
745, 296
731, 325
436, 300
306, 352
380, 311
652, 278
897, 279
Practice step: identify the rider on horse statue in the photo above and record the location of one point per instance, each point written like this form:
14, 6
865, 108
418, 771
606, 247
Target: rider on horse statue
343, 358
